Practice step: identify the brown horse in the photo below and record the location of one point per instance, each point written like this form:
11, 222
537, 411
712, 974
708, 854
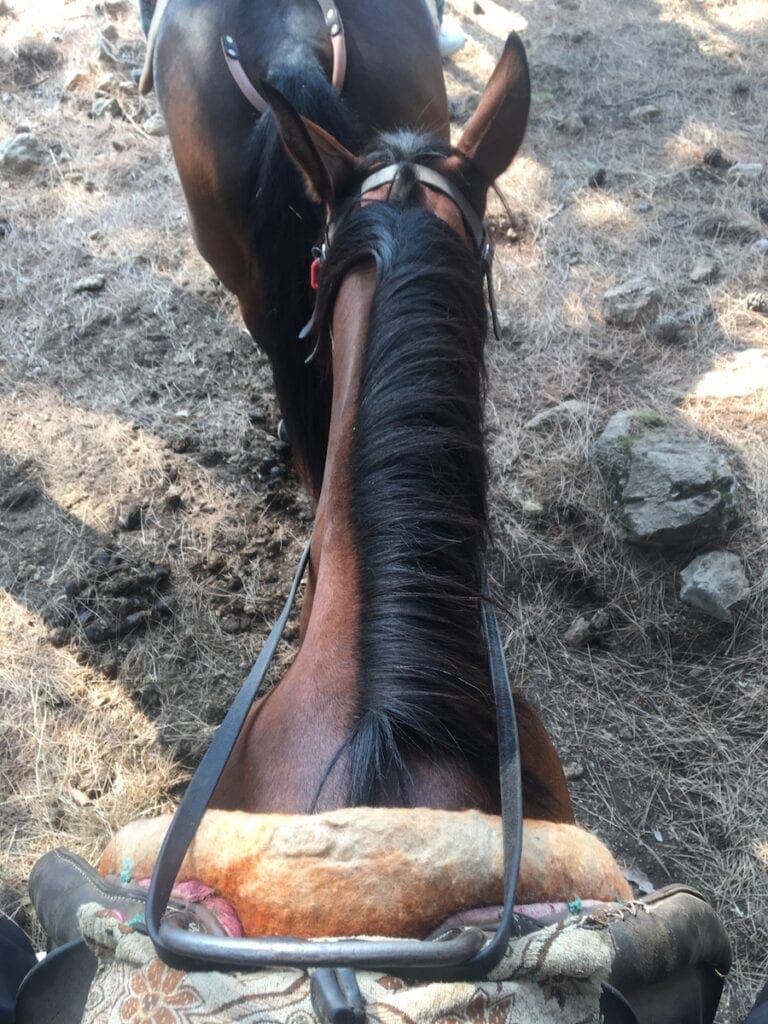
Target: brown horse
252, 219
388, 701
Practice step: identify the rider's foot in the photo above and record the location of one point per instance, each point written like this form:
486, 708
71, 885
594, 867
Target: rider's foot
451, 39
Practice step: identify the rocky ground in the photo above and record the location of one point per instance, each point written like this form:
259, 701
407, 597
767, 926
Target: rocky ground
149, 517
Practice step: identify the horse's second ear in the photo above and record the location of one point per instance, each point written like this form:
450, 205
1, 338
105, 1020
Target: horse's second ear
324, 163
495, 131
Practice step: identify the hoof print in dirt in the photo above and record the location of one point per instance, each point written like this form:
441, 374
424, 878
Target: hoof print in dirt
631, 302
714, 583
673, 489
111, 598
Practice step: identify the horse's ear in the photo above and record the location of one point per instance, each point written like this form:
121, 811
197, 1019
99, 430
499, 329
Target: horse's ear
324, 163
495, 131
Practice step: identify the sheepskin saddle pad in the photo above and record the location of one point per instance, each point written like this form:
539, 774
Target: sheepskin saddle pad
369, 871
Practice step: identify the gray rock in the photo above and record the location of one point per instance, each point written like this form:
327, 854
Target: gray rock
714, 583
572, 124
155, 125
630, 302
746, 172
704, 270
106, 106
643, 115
673, 489
21, 153
570, 410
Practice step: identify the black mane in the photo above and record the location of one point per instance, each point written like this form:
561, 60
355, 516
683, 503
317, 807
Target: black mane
284, 226
418, 503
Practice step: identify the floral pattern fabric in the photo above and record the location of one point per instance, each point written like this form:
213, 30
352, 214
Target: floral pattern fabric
550, 977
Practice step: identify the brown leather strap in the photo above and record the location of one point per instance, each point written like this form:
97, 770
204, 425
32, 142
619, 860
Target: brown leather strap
242, 81
335, 27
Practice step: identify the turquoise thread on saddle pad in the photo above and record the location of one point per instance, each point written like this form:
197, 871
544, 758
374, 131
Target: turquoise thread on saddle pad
576, 906
126, 874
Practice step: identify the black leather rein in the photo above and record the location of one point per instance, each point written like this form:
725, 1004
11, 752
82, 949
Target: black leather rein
459, 954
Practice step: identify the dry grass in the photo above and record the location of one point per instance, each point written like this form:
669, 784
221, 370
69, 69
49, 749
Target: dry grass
143, 391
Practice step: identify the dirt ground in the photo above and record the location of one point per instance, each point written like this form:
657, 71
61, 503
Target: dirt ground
149, 518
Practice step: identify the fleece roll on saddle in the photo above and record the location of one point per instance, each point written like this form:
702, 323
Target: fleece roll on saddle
369, 871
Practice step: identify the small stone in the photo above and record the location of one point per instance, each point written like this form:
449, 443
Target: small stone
58, 637
577, 634
75, 82
746, 172
106, 106
574, 770
511, 235
728, 226
21, 153
94, 283
714, 158
704, 270
714, 583
598, 178
572, 124
532, 508
173, 501
462, 106
630, 302
584, 629
645, 114
670, 329
761, 246
757, 302
155, 125
130, 518
568, 411
235, 624
477, 9
643, 207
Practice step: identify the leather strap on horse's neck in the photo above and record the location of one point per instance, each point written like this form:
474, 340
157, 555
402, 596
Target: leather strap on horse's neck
335, 26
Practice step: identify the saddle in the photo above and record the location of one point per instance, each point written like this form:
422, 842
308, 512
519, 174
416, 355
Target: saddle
658, 960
